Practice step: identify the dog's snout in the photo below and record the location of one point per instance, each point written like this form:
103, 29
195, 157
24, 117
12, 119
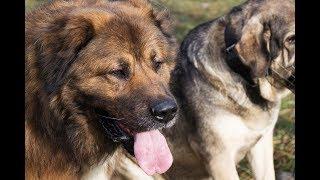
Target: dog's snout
164, 111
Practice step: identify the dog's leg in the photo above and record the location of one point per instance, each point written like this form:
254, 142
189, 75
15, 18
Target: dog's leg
261, 158
223, 167
219, 164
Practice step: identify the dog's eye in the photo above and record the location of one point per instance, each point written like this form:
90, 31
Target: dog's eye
120, 73
157, 64
291, 39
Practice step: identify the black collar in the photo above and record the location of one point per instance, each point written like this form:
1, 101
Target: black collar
252, 88
236, 65
232, 58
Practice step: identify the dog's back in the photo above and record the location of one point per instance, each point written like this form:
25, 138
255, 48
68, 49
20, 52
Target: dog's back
227, 105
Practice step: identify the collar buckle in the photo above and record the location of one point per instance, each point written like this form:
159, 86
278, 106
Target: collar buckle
230, 48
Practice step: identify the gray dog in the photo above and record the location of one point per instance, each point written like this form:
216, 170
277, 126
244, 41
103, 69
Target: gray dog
231, 76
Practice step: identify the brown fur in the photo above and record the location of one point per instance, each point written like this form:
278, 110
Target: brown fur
82, 55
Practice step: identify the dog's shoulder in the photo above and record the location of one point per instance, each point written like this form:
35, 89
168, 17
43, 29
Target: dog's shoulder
195, 38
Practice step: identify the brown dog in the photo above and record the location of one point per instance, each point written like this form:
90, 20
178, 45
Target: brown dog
97, 76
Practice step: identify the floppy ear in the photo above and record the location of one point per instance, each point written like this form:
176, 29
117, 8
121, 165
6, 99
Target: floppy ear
254, 46
161, 17
59, 44
267, 91
163, 20
143, 4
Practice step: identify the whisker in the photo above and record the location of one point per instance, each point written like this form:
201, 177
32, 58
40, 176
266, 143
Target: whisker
282, 78
286, 68
119, 119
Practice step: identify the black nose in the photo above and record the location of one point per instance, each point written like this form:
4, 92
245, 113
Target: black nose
164, 111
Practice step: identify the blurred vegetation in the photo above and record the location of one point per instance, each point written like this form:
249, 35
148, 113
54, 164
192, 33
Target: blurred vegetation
190, 13
29, 4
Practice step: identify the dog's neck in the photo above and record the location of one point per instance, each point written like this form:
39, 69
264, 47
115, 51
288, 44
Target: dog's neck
43, 160
227, 66
236, 65
49, 149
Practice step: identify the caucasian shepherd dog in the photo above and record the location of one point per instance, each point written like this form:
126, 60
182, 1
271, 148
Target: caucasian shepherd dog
97, 77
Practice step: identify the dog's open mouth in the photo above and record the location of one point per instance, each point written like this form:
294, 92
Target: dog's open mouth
149, 148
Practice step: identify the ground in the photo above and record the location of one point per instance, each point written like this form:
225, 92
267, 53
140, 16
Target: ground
190, 13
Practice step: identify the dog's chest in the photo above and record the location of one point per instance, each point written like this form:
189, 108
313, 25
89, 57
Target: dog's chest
104, 169
235, 133
98, 172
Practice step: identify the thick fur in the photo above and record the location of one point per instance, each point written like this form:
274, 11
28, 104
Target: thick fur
226, 117
82, 55
229, 106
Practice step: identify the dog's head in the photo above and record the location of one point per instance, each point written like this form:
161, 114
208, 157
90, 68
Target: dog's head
107, 66
264, 36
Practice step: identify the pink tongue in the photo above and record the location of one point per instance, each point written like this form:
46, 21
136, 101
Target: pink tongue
152, 152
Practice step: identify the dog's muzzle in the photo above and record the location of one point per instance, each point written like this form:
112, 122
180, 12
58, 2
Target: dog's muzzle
287, 82
114, 132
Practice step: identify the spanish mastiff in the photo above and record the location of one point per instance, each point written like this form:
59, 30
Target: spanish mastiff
233, 72
97, 75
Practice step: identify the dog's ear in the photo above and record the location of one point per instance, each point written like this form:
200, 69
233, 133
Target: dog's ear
164, 21
142, 4
160, 15
254, 47
60, 43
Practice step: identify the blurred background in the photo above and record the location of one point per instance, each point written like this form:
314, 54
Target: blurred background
190, 13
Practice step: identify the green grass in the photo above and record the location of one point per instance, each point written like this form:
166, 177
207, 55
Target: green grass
190, 13
30, 4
